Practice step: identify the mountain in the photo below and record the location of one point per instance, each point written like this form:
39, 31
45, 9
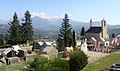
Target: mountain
3, 28
43, 24
3, 21
46, 25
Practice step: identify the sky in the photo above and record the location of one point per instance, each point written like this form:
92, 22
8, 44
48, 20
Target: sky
79, 10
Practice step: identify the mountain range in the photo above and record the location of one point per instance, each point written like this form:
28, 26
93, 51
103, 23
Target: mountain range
53, 25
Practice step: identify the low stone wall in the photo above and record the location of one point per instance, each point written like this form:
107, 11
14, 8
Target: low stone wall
13, 60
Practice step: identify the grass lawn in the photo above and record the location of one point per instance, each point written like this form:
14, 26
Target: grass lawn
14, 67
103, 63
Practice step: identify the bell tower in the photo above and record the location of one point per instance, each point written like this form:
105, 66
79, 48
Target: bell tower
104, 30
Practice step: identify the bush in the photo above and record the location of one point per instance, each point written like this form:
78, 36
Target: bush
39, 64
58, 65
78, 60
42, 64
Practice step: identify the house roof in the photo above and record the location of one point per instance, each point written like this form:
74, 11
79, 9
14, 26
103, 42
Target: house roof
6, 51
94, 30
40, 43
48, 43
93, 39
47, 49
14, 47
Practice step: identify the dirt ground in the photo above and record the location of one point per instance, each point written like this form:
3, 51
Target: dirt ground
94, 56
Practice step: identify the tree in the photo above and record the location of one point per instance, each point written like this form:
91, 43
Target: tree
42, 64
78, 60
1, 40
65, 32
82, 33
60, 43
39, 64
27, 29
73, 40
14, 30
58, 64
113, 35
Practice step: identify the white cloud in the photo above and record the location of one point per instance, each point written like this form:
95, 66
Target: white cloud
45, 16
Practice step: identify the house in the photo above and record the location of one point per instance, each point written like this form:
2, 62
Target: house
50, 52
42, 45
12, 51
39, 45
12, 54
45, 44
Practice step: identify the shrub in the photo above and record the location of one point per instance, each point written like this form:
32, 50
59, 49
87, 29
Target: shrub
58, 64
78, 60
39, 64
42, 64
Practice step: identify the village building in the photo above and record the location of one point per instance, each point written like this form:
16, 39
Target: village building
98, 35
11, 55
39, 45
12, 51
98, 31
42, 45
45, 44
50, 52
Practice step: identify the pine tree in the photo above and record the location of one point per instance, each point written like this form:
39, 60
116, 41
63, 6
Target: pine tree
14, 30
1, 40
65, 32
82, 31
60, 43
73, 40
27, 29
113, 35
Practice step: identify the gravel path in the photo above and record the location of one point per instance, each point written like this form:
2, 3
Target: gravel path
94, 56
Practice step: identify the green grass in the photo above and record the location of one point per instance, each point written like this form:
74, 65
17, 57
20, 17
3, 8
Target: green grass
103, 63
14, 67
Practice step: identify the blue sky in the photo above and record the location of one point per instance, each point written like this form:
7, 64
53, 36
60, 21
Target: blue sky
79, 10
